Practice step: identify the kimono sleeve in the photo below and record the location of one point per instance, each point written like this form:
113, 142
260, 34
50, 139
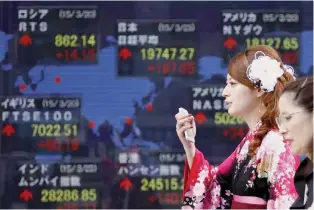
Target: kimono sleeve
201, 186
281, 177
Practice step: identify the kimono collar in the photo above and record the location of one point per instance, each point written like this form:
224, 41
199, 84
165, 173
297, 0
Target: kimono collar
305, 169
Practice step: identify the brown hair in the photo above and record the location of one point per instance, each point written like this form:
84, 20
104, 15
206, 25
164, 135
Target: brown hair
237, 68
303, 89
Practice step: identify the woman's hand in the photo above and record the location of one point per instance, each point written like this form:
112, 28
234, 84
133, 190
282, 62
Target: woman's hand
185, 122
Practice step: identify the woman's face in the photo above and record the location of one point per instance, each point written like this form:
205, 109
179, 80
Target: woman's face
295, 123
239, 99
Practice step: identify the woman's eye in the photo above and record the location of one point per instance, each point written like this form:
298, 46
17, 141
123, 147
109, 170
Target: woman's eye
233, 83
287, 118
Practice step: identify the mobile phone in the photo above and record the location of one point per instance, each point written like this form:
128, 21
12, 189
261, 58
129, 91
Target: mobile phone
188, 133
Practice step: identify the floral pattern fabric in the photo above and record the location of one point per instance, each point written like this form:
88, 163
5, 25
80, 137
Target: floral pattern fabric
269, 176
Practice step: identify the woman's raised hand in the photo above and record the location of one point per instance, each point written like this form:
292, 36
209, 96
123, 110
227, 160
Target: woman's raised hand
185, 121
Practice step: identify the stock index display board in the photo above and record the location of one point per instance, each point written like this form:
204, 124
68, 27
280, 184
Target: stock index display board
52, 122
57, 34
60, 186
89, 93
277, 29
157, 47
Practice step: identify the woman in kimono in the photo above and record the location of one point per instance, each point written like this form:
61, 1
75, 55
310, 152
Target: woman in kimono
296, 124
259, 173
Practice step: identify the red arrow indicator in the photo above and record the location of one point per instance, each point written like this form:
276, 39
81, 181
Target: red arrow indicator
25, 40
230, 43
8, 130
126, 184
26, 195
125, 53
200, 118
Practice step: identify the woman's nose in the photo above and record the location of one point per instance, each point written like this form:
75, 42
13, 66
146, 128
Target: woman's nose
282, 130
225, 91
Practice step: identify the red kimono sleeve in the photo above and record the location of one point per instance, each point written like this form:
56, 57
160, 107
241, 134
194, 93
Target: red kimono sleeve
283, 168
201, 187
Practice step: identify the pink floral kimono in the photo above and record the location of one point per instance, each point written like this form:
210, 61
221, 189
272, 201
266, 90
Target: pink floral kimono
241, 182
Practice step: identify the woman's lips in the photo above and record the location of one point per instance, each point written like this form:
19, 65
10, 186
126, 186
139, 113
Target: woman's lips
228, 104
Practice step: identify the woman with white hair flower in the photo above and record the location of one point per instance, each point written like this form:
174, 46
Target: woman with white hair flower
259, 173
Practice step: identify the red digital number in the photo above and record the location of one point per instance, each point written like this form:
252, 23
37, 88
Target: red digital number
89, 53
187, 67
56, 145
75, 206
172, 198
68, 206
234, 133
291, 58
77, 54
172, 67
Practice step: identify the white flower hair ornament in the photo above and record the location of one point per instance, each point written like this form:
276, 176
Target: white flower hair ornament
290, 70
264, 72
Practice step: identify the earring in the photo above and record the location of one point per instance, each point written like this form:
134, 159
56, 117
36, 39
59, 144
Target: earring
259, 109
